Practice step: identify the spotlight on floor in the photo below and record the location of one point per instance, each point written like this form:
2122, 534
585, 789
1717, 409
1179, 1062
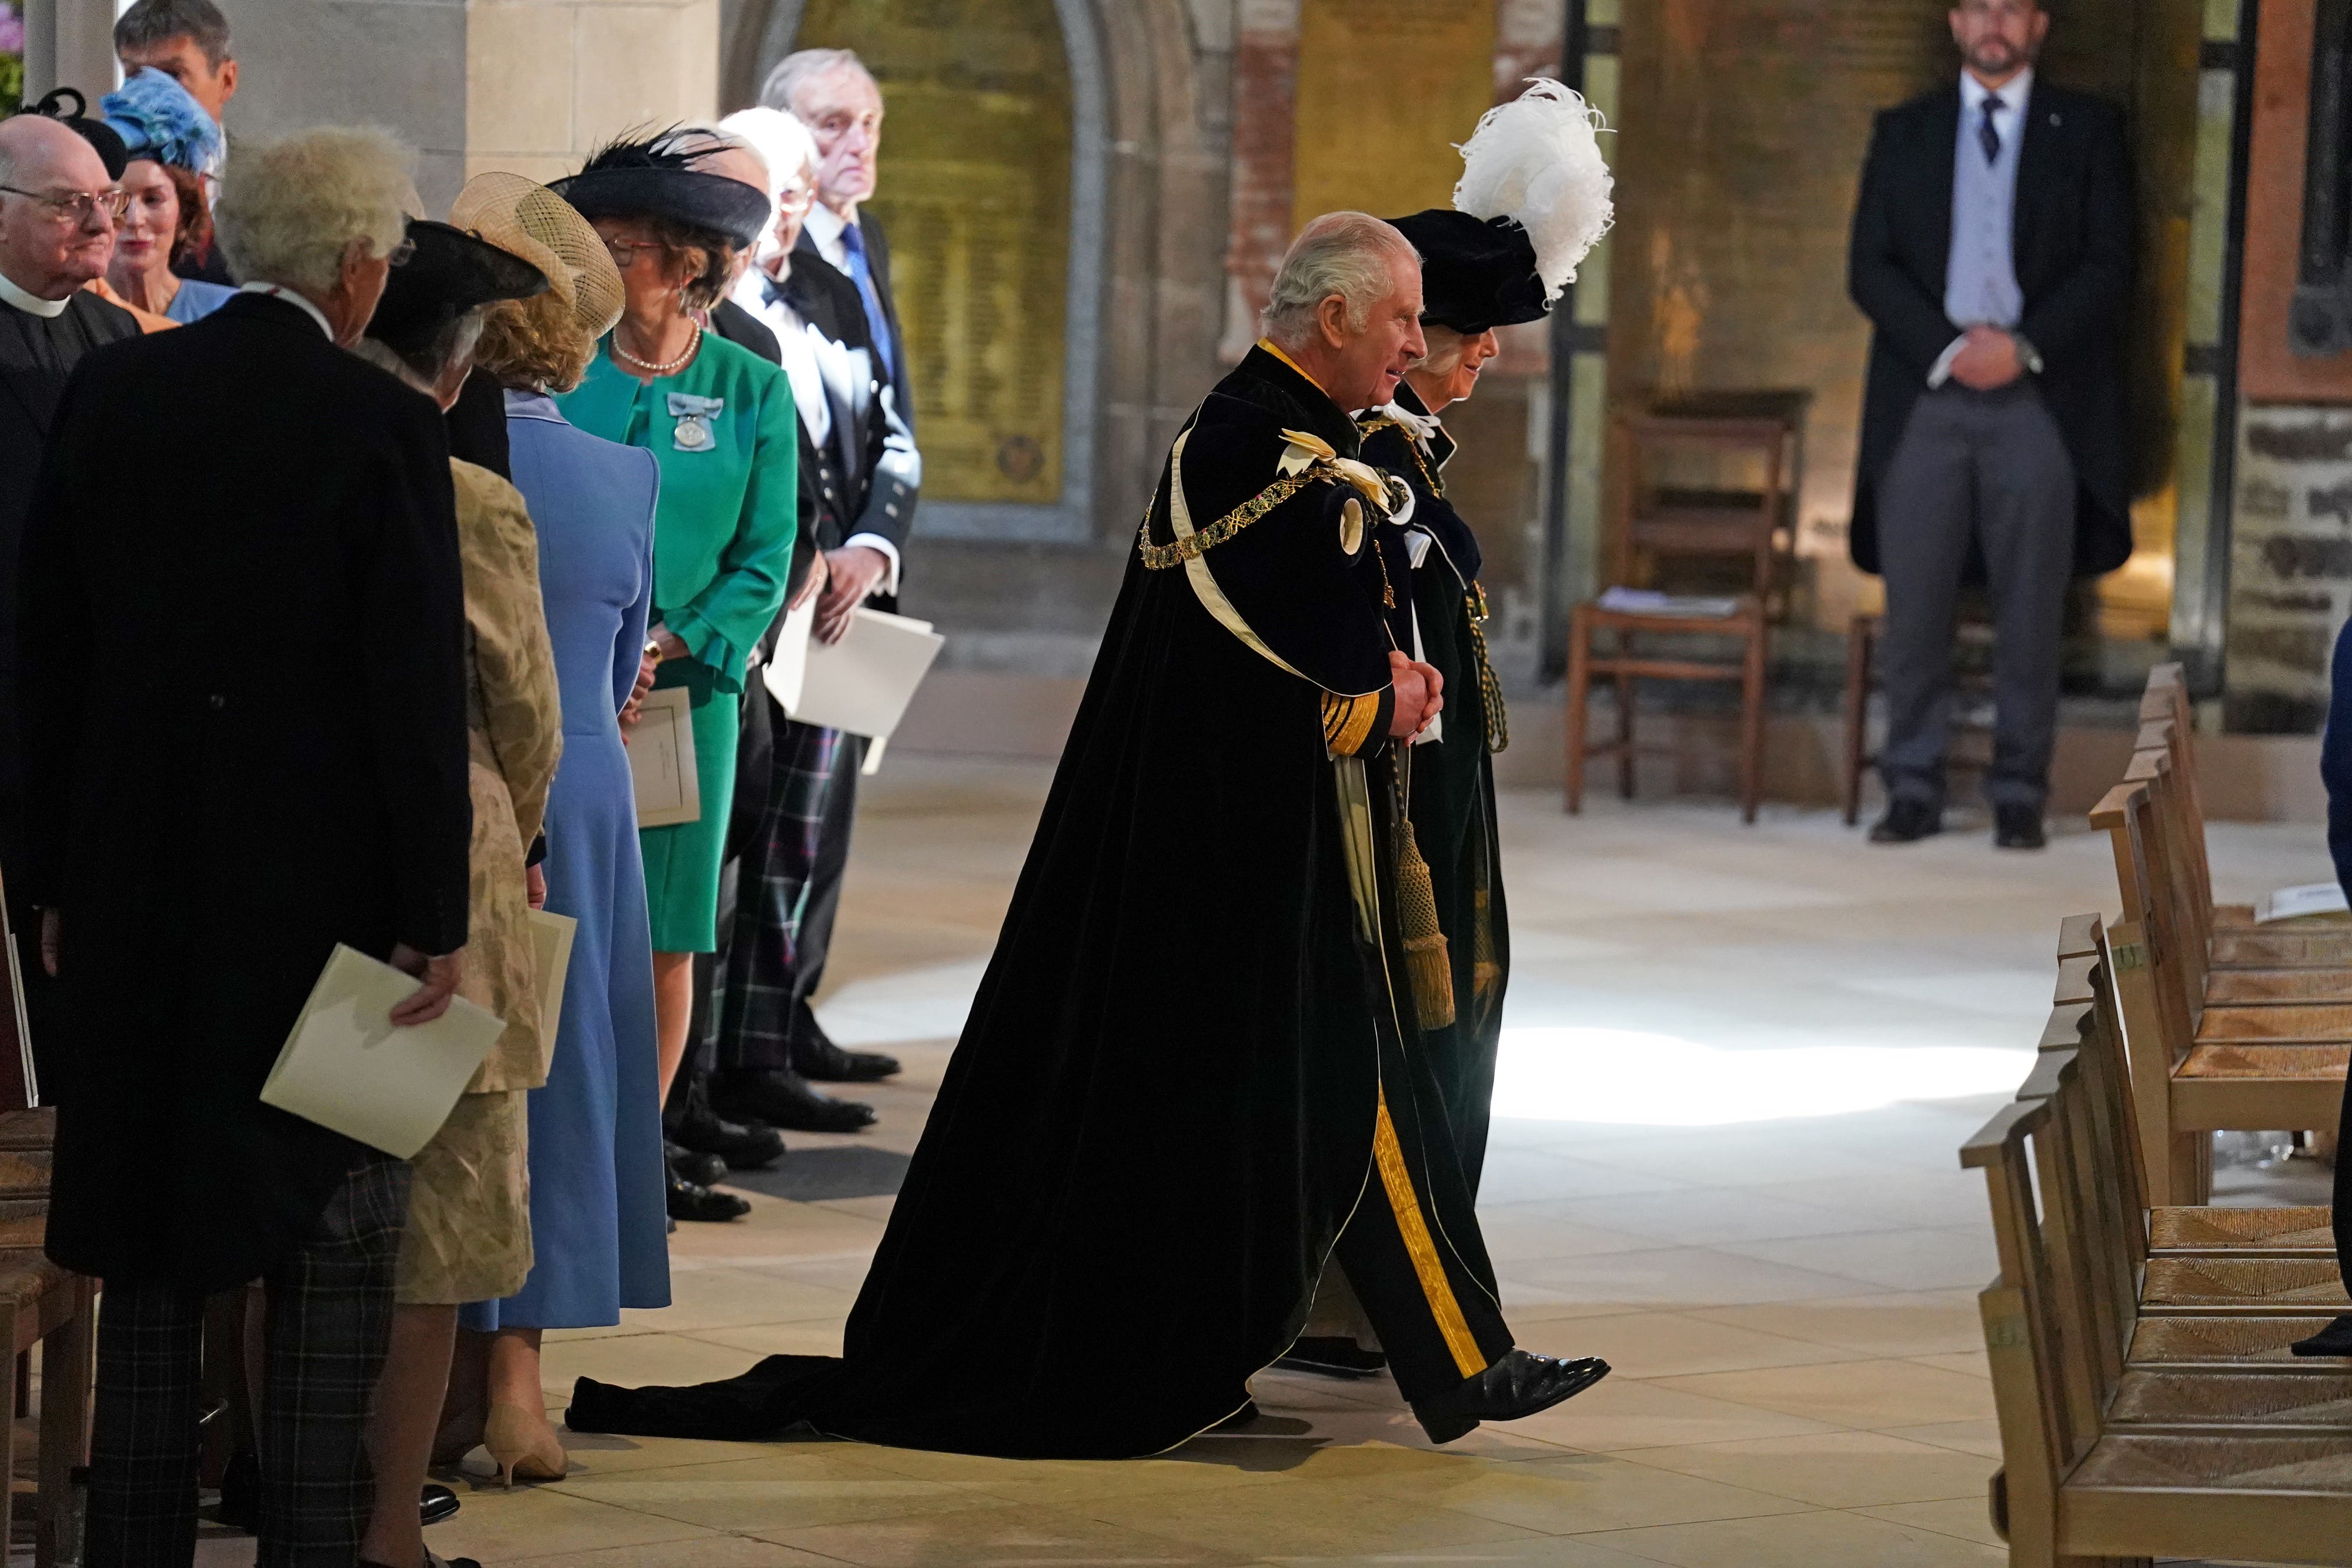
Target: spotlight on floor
1631, 1078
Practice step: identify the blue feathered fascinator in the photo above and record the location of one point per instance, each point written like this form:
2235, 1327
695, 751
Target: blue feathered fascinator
158, 119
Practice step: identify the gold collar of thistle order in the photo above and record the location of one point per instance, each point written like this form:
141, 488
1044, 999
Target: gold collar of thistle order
1306, 459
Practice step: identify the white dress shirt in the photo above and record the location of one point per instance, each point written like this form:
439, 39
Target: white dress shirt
278, 291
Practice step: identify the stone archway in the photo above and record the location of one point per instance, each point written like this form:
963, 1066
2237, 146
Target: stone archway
1145, 227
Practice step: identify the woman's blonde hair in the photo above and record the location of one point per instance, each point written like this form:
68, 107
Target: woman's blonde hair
1446, 348
534, 344
290, 208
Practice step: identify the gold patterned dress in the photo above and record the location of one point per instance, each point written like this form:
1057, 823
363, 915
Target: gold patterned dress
468, 1236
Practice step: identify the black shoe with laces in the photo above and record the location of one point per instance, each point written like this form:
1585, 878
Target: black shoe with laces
2017, 827
1907, 822
693, 1165
815, 1057
788, 1099
741, 1145
691, 1200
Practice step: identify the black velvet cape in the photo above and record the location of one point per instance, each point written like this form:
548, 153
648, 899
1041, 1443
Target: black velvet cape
1160, 1112
1452, 779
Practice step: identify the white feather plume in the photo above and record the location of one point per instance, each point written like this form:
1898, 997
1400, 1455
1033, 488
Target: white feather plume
1537, 159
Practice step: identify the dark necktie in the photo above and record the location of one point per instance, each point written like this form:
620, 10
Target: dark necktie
1987, 137
852, 243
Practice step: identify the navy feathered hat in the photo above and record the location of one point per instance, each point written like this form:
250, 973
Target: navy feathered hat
157, 119
100, 136
655, 176
1476, 273
449, 273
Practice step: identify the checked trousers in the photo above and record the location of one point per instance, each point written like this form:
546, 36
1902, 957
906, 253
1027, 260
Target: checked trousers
329, 1318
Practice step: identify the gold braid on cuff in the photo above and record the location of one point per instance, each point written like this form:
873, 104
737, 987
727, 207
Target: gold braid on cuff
1160, 558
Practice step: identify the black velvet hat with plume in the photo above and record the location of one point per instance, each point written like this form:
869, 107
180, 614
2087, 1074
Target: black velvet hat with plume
655, 176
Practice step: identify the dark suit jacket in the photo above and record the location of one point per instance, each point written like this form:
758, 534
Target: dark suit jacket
244, 705
2073, 248
878, 259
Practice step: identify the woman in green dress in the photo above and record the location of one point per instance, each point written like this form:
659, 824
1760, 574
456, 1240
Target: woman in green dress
721, 422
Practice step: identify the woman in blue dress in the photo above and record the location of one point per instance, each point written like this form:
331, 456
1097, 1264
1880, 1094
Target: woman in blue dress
597, 1210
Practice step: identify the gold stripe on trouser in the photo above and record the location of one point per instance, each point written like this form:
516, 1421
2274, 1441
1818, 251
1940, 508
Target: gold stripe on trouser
1422, 1247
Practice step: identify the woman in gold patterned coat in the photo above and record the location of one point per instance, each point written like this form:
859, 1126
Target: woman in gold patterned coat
468, 1232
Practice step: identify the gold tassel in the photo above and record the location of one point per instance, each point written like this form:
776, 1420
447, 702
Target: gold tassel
1486, 967
1490, 689
1425, 958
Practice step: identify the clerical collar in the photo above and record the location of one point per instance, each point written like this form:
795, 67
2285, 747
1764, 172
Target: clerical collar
280, 291
31, 303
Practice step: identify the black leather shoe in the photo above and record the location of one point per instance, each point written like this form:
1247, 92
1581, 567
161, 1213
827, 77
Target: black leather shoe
1335, 1356
827, 1062
437, 1503
2335, 1339
2017, 828
693, 1165
691, 1200
743, 1146
788, 1099
1907, 822
1519, 1385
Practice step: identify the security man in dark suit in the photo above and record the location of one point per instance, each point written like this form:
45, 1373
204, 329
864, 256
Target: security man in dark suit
1993, 253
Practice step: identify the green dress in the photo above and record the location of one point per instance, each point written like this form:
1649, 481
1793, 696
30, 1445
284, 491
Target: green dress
725, 432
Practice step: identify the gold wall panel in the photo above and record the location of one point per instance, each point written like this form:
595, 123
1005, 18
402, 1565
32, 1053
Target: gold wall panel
975, 198
1386, 89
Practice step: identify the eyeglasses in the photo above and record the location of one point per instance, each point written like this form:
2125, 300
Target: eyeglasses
624, 253
398, 254
797, 201
76, 206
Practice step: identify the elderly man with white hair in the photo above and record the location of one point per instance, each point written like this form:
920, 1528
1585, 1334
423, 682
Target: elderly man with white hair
245, 744
1191, 1074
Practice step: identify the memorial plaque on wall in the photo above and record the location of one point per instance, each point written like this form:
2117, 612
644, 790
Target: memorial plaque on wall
974, 198
1386, 89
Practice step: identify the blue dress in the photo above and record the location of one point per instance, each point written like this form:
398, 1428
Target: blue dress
197, 300
598, 1218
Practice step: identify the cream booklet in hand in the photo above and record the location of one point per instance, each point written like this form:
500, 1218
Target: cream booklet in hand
348, 1067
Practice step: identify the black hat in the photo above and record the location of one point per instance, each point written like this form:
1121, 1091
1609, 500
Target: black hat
1476, 273
655, 176
103, 137
450, 273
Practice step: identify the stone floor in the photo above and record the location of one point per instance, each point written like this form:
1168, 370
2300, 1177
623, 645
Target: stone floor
1738, 1062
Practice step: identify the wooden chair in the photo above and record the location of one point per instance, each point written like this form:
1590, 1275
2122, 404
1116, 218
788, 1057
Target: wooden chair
1653, 525
2197, 1067
2147, 1404
1973, 679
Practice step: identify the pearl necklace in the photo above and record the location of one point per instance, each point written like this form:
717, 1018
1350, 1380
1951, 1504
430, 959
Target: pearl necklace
669, 367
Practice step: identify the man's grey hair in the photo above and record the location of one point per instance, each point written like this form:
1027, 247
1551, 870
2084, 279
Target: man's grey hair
1351, 255
803, 67
289, 209
152, 22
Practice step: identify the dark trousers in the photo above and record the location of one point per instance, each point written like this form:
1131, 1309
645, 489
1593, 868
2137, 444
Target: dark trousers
1991, 468
823, 900
329, 1319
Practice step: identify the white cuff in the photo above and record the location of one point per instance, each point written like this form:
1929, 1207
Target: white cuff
1941, 370
876, 542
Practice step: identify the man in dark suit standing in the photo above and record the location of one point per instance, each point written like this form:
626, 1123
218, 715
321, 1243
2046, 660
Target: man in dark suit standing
841, 253
1993, 253
244, 743
58, 206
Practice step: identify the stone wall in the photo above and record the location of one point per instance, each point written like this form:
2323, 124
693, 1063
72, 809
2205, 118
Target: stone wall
2290, 566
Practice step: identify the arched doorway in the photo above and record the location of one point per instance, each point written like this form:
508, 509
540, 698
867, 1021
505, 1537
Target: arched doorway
993, 196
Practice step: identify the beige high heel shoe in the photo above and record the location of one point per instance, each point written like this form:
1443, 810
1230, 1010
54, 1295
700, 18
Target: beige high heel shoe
523, 1445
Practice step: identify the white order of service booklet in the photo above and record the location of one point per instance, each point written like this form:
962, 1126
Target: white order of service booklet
861, 684
348, 1067
661, 761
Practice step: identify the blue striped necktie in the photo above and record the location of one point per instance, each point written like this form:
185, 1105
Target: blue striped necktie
853, 244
